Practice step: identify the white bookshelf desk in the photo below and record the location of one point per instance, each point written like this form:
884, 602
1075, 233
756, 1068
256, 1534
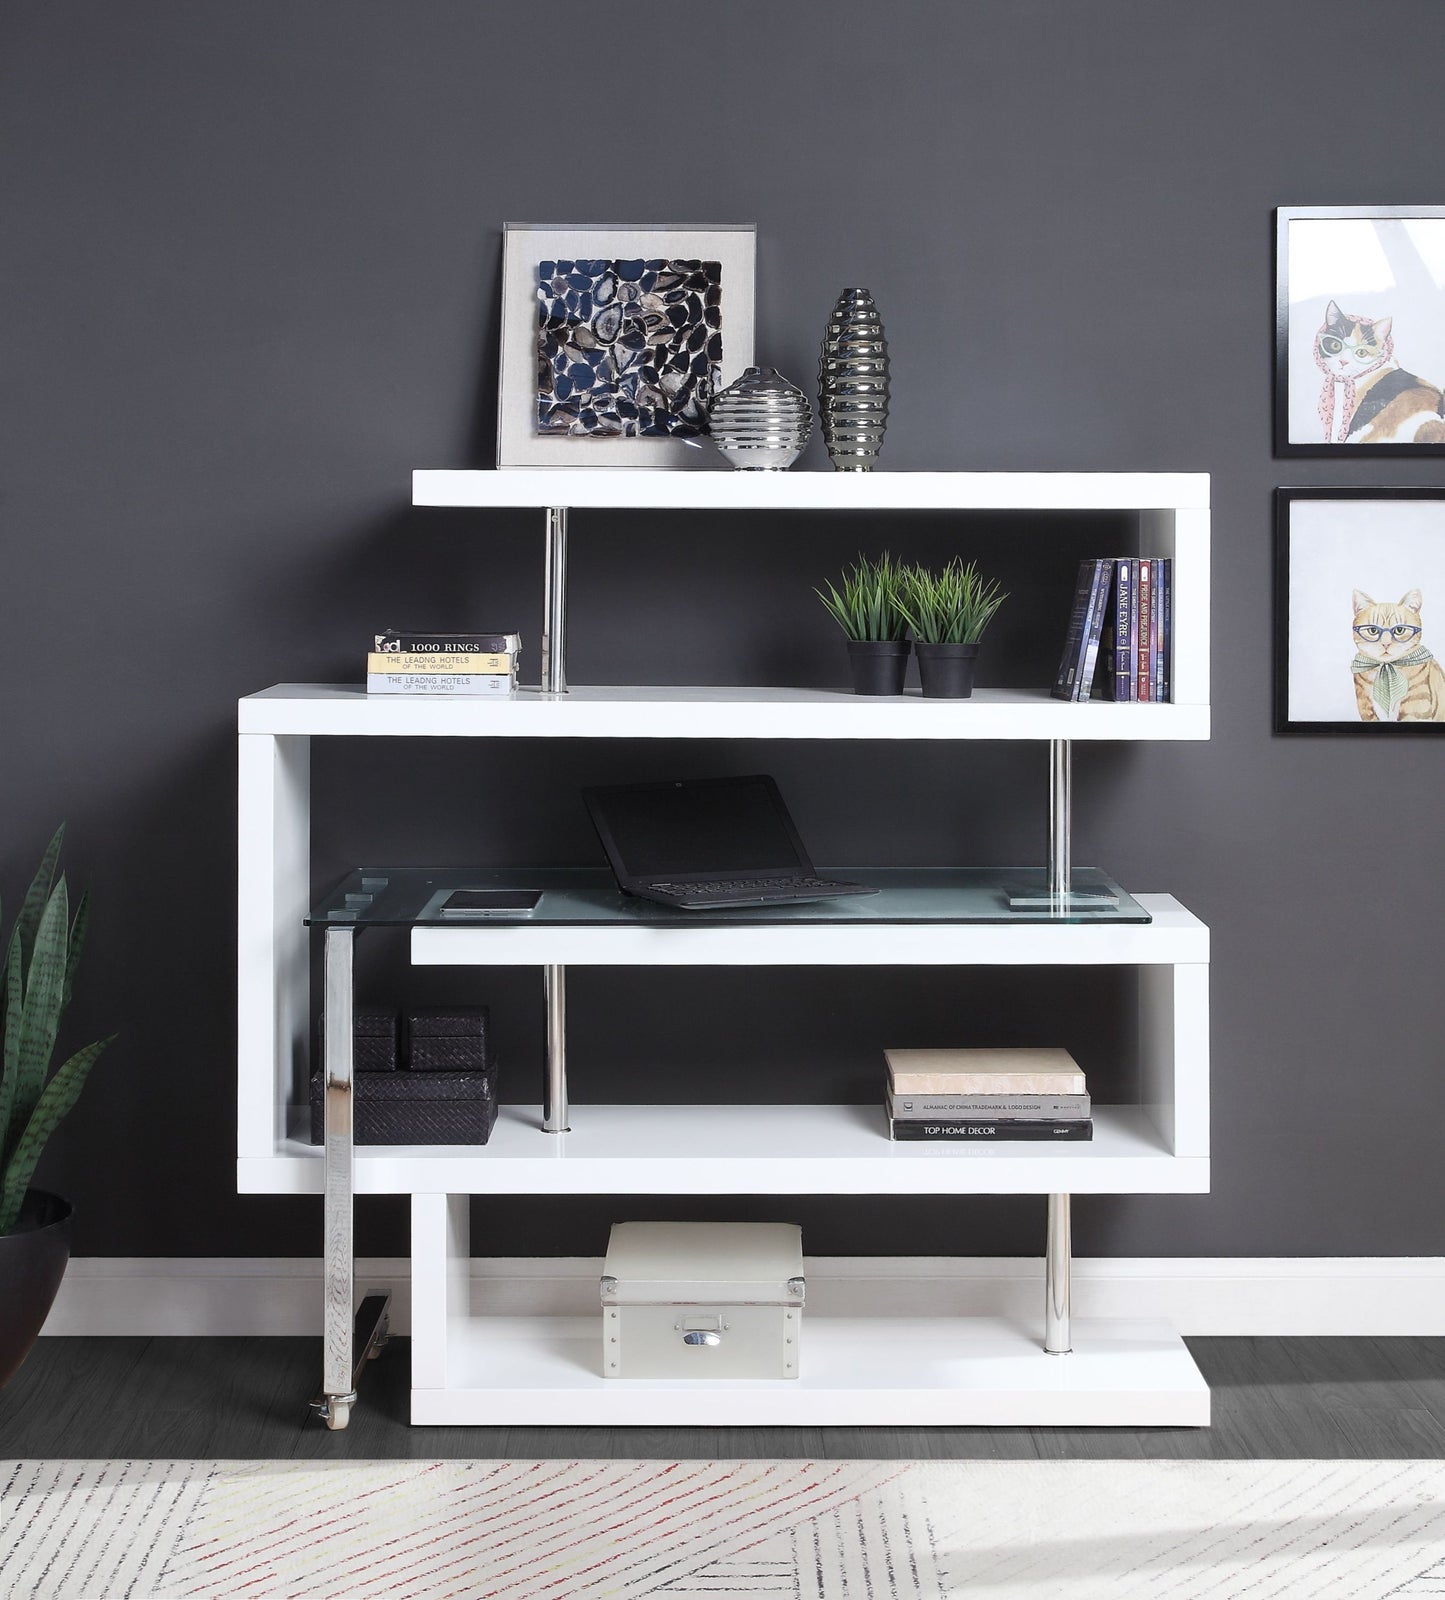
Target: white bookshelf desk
470, 1365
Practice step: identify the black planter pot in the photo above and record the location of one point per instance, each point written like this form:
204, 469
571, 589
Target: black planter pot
32, 1262
946, 670
879, 665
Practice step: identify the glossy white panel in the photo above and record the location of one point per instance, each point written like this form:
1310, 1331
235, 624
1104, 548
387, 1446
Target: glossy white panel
739, 1149
1173, 936
722, 489
860, 1372
710, 712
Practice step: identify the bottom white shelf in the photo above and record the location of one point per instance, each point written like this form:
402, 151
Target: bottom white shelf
857, 1372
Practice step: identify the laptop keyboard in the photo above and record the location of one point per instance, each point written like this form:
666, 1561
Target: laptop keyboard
735, 887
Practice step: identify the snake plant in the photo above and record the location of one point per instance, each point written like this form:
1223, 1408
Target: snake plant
40, 963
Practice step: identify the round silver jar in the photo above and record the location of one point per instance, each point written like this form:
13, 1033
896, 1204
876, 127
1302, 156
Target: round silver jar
761, 422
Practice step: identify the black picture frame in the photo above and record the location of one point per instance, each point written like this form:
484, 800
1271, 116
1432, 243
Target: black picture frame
1285, 501
1285, 216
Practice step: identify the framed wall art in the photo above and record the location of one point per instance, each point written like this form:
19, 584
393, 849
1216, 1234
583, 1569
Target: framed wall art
1360, 330
1359, 611
614, 339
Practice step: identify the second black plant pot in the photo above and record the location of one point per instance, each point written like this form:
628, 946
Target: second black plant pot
32, 1263
879, 665
946, 670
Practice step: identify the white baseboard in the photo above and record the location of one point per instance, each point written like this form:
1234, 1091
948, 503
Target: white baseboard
1354, 1295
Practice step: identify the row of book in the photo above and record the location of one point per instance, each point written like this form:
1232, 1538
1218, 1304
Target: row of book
986, 1096
402, 662
1121, 631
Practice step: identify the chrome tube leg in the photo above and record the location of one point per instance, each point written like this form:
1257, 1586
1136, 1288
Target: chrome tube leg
338, 1365
1056, 1277
1061, 817
554, 616
554, 1098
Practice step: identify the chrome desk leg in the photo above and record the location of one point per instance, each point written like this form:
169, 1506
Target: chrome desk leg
1061, 817
554, 1094
348, 1342
554, 616
371, 1333
1056, 1277
340, 1273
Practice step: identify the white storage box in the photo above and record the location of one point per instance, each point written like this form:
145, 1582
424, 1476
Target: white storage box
703, 1300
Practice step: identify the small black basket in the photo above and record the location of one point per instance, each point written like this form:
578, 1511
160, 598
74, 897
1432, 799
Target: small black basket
449, 1039
428, 1108
375, 1039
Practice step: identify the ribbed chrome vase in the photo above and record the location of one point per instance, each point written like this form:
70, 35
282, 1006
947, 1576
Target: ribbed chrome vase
761, 422
853, 382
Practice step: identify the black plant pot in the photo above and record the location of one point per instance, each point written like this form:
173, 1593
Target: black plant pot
946, 670
879, 665
32, 1262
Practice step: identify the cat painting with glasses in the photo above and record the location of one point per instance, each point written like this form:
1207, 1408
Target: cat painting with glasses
1368, 398
1396, 678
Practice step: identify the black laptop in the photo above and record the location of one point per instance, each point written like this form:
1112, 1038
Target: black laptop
715, 843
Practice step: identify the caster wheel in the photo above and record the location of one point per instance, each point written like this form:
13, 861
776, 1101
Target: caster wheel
338, 1414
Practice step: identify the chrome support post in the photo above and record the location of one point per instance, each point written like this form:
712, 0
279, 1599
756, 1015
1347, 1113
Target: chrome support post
1057, 1247
349, 1340
337, 1366
1061, 817
554, 1098
554, 616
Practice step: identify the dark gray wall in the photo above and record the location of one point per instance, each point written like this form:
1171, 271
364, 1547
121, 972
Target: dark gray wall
249, 278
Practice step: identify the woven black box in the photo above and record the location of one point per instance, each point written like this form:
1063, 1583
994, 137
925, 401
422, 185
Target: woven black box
430, 1108
449, 1039
375, 1039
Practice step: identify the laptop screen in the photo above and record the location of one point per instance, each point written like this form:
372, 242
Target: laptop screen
686, 830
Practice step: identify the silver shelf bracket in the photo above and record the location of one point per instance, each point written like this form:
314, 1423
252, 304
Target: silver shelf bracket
554, 613
1061, 817
554, 1096
1057, 1248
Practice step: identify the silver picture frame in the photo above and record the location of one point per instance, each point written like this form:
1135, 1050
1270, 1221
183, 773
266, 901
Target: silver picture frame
520, 442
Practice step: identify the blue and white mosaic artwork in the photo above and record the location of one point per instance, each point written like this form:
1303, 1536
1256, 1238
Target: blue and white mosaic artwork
627, 349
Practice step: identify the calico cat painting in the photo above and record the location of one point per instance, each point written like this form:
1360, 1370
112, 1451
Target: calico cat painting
1396, 678
1368, 398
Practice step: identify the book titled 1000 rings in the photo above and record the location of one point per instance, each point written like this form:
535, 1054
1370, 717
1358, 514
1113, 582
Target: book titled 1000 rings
446, 664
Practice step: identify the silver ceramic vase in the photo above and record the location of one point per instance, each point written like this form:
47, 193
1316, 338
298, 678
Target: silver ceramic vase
760, 422
853, 382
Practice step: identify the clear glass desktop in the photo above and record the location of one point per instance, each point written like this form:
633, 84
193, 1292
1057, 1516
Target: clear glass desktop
588, 897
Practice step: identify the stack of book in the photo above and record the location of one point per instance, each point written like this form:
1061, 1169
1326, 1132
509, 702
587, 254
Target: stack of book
1121, 631
401, 662
986, 1096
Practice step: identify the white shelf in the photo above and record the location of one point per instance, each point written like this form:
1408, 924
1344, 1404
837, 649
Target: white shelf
1174, 936
722, 489
742, 1149
857, 1372
315, 709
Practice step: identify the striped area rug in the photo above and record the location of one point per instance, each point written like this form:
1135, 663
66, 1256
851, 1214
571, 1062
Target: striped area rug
698, 1530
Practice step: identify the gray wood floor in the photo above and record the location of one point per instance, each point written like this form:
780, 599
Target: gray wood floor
245, 1398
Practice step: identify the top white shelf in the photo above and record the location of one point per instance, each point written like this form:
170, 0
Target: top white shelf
722, 489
